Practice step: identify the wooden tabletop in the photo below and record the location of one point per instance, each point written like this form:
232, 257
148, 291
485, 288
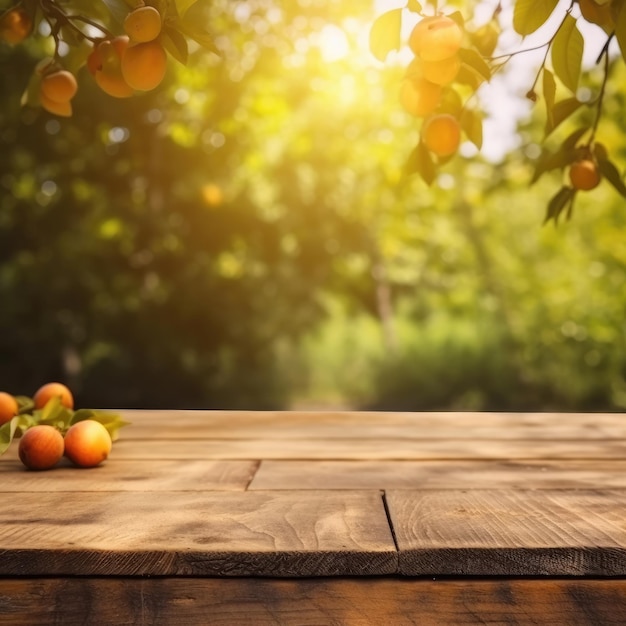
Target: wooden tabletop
302, 495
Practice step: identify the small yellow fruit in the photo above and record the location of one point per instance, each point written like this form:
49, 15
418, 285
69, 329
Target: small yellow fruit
87, 443
143, 24
438, 72
41, 447
442, 135
436, 38
584, 175
419, 97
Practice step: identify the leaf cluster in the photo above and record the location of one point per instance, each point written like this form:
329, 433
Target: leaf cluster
458, 96
56, 415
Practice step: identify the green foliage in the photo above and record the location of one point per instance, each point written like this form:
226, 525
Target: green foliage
385, 34
176, 249
529, 15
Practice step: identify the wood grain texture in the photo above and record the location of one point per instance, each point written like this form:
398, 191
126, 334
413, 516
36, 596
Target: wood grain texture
329, 602
435, 475
121, 475
209, 534
484, 533
172, 425
364, 449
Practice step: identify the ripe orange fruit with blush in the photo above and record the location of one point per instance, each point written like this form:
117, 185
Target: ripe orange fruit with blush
8, 407
584, 175
435, 38
144, 65
52, 390
442, 134
87, 443
41, 447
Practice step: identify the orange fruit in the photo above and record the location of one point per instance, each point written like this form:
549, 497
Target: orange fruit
438, 72
143, 24
419, 97
584, 175
63, 109
52, 390
41, 447
15, 26
60, 86
435, 38
144, 65
87, 443
442, 134
8, 407
105, 64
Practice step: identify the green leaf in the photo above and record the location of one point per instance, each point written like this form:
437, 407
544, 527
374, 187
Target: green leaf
451, 102
198, 34
118, 9
25, 404
472, 124
567, 53
414, 6
620, 28
385, 34
182, 6
421, 162
529, 15
176, 44
549, 94
474, 60
467, 76
571, 140
485, 39
7, 432
561, 200
457, 16
611, 173
549, 161
560, 112
111, 421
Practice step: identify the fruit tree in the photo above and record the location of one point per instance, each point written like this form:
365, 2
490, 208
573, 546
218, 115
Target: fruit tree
126, 46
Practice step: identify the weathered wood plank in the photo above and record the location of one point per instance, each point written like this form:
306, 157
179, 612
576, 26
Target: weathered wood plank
122, 475
339, 601
534, 533
209, 534
172, 425
527, 474
363, 449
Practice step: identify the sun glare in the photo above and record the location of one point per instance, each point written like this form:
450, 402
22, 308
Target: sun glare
333, 43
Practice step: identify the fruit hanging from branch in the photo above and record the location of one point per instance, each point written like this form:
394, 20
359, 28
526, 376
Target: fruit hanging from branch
454, 58
126, 45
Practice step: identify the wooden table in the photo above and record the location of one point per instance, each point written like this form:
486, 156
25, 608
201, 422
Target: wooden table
325, 518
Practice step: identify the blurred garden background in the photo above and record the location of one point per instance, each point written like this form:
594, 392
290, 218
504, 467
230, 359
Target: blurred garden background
242, 237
